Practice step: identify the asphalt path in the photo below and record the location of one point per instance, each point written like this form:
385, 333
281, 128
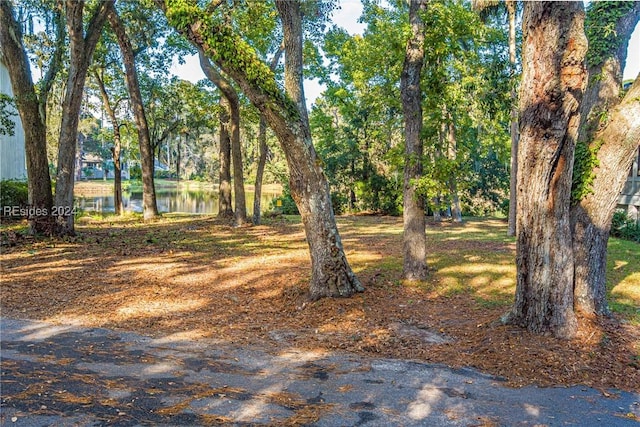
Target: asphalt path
57, 375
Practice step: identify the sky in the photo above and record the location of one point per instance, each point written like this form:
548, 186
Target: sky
347, 18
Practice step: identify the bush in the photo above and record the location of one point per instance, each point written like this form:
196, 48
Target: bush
284, 204
625, 227
13, 193
135, 172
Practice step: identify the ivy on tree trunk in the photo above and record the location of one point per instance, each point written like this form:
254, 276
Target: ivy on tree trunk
285, 113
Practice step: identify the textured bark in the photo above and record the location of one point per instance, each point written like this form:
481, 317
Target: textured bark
81, 48
414, 237
456, 210
32, 116
262, 160
263, 151
117, 146
149, 203
513, 182
331, 273
225, 208
553, 81
591, 217
240, 201
231, 103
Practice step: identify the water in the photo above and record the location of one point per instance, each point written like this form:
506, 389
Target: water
173, 199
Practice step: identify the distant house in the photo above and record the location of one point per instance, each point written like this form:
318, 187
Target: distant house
92, 166
630, 196
13, 163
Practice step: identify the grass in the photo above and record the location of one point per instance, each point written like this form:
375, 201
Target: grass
623, 278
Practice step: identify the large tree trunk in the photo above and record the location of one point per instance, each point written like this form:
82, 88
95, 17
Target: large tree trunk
262, 160
116, 149
285, 113
414, 237
513, 182
591, 218
225, 208
81, 49
150, 207
614, 148
32, 114
553, 81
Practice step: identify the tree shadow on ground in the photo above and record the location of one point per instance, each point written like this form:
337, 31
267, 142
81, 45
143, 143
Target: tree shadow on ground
202, 278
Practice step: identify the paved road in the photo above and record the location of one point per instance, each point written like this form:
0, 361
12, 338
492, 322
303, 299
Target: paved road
69, 376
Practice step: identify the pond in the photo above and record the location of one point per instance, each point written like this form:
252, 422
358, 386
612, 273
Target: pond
171, 197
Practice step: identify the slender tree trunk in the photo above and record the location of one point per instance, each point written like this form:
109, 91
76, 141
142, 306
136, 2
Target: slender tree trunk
232, 105
117, 172
437, 207
614, 147
264, 149
225, 209
117, 146
414, 237
553, 81
32, 115
150, 206
452, 147
262, 160
81, 49
240, 201
513, 182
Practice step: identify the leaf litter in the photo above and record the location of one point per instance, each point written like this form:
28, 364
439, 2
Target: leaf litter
202, 278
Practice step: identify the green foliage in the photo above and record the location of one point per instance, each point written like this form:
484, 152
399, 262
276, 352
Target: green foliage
135, 172
625, 227
284, 204
6, 112
600, 27
13, 193
227, 48
585, 162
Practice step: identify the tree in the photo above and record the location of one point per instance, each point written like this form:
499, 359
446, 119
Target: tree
117, 143
286, 115
263, 149
511, 5
111, 87
225, 203
230, 122
553, 81
150, 207
414, 237
607, 142
81, 47
31, 103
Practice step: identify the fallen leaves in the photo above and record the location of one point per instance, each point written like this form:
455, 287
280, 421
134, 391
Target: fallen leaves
202, 278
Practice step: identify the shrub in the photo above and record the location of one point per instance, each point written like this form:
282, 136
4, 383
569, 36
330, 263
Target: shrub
284, 204
625, 227
14, 193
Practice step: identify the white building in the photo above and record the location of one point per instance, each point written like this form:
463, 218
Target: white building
12, 154
630, 197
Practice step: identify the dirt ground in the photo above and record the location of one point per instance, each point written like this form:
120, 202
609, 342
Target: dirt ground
194, 278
